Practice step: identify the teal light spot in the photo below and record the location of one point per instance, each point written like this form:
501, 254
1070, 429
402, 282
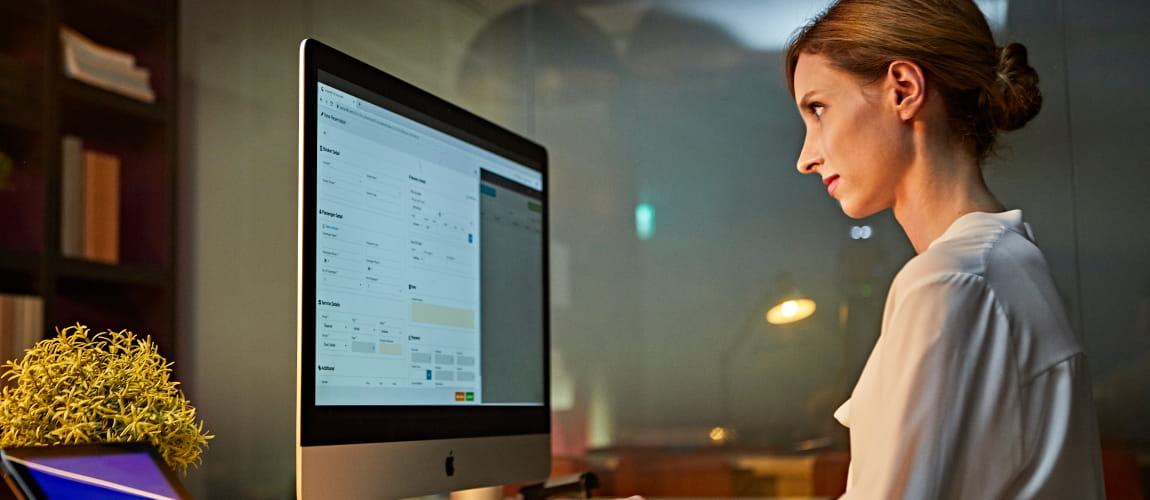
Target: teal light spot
644, 221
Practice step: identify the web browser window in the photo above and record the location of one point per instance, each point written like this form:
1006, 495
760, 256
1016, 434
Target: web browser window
410, 222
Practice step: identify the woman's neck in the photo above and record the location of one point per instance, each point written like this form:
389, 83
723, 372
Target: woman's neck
938, 188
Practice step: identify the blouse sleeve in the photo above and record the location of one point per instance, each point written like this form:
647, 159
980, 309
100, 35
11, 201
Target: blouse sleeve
941, 417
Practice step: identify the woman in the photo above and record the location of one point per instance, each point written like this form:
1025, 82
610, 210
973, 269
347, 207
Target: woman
977, 387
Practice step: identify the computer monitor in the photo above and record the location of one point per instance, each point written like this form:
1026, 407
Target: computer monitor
423, 291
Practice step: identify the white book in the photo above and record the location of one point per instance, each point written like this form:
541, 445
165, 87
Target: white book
21, 324
72, 184
31, 329
16, 339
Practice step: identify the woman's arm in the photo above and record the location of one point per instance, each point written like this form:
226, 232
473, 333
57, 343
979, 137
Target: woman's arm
937, 415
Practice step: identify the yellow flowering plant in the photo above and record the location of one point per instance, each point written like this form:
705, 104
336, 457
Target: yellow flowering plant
79, 388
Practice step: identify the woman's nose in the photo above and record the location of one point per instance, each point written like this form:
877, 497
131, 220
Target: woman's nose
809, 157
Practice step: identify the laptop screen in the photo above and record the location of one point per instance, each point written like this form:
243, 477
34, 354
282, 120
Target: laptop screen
98, 472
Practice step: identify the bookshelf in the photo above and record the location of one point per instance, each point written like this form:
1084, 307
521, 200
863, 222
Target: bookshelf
39, 107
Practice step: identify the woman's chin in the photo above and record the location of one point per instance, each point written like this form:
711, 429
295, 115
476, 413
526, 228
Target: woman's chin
855, 211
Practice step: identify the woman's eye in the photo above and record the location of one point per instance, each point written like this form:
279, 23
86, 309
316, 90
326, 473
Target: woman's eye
817, 110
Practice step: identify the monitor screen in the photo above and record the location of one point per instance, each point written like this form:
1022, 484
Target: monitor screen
423, 325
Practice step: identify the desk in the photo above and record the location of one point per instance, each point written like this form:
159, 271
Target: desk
712, 498
719, 473
792, 475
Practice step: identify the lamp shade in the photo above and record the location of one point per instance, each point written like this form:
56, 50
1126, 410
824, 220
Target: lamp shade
790, 311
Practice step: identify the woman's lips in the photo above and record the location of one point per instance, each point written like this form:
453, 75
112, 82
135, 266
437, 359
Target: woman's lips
832, 182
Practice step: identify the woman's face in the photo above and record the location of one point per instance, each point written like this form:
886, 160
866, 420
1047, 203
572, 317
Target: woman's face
855, 140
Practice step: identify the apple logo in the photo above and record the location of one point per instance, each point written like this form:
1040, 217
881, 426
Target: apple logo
449, 464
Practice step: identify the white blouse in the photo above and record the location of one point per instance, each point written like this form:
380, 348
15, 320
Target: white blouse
977, 387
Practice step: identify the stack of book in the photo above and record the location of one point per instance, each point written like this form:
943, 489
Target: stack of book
21, 324
104, 67
90, 203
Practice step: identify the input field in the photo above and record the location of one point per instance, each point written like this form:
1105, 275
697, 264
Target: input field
374, 348
442, 315
393, 349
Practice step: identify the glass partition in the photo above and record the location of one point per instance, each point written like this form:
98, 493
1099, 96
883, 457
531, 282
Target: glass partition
679, 219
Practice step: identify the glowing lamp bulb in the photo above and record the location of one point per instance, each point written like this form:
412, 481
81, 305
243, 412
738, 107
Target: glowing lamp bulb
722, 435
790, 308
790, 311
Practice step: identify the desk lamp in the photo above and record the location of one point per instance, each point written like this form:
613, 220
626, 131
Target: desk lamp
783, 304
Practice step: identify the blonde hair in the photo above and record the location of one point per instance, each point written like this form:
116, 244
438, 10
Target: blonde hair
986, 88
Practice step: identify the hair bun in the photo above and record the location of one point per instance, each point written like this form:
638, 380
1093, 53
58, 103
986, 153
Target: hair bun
1015, 99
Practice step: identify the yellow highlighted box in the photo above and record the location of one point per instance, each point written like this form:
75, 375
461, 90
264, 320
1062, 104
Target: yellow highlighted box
442, 315
395, 349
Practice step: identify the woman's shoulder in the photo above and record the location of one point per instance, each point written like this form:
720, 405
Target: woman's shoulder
942, 264
992, 270
977, 246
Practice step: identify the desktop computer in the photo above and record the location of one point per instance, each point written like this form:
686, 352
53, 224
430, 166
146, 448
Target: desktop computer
423, 291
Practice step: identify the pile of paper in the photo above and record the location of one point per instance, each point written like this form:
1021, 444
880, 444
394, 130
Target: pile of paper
104, 67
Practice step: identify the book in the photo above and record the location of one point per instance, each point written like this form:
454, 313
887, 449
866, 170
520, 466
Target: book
101, 207
94, 51
31, 329
127, 85
7, 327
21, 324
72, 197
104, 67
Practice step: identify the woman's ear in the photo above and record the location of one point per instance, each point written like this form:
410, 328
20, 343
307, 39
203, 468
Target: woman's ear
907, 87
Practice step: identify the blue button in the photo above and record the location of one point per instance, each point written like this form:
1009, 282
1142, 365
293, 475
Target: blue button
428, 374
470, 238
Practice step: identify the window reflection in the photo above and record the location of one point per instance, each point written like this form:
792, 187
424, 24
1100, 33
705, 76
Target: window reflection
664, 103
679, 105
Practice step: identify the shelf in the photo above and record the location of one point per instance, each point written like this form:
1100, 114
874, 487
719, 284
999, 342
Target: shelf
86, 270
102, 306
143, 29
18, 272
28, 12
20, 116
94, 99
22, 50
22, 196
38, 106
14, 260
118, 12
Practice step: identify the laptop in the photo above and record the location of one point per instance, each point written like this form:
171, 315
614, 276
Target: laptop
118, 471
